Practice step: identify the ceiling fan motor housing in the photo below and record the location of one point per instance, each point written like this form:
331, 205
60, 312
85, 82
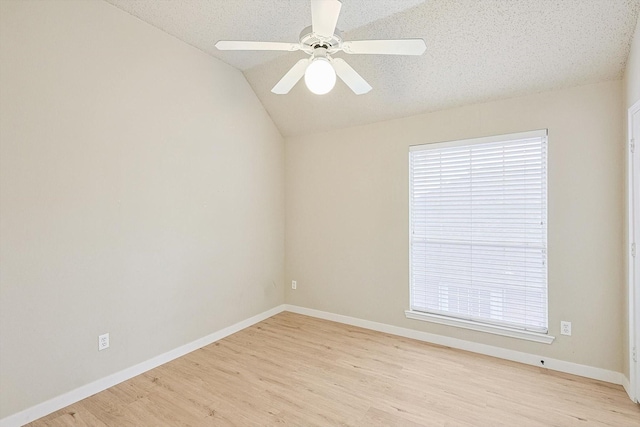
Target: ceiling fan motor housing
309, 41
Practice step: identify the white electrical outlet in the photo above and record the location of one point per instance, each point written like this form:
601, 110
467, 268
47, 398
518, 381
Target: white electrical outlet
565, 328
294, 284
103, 341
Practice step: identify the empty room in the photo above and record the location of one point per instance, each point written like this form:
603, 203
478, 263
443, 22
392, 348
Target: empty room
319, 212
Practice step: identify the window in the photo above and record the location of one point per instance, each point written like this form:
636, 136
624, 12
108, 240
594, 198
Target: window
478, 233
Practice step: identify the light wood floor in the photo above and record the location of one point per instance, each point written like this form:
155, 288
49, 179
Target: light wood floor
300, 371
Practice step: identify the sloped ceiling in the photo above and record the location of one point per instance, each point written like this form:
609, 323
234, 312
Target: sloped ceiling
477, 50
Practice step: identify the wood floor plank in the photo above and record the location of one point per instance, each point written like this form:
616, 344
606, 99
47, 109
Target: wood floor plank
293, 370
71, 416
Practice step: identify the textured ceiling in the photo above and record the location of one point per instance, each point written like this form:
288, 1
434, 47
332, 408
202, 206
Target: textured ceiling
477, 50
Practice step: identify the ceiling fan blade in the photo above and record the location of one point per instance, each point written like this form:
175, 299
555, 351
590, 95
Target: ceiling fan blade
385, 47
289, 80
242, 45
348, 75
324, 17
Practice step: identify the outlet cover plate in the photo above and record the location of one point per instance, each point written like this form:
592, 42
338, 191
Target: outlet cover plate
565, 328
103, 342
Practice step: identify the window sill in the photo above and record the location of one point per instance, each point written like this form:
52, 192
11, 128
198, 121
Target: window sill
491, 329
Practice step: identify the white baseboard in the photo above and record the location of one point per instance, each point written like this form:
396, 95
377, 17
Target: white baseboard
626, 383
73, 396
502, 353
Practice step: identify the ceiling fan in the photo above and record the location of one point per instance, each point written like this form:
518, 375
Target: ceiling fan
321, 40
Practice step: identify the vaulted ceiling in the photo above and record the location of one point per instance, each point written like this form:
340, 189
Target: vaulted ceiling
477, 50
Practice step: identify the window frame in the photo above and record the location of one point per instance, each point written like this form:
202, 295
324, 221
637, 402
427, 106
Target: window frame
458, 321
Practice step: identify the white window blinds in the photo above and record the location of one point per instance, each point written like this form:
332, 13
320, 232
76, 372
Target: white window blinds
478, 224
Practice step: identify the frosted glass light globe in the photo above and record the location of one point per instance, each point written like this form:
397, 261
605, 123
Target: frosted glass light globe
320, 77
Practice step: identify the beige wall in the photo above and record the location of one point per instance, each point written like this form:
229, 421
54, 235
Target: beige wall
141, 194
631, 88
347, 216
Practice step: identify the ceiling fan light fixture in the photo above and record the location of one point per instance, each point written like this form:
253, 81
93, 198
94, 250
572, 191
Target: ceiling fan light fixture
320, 77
